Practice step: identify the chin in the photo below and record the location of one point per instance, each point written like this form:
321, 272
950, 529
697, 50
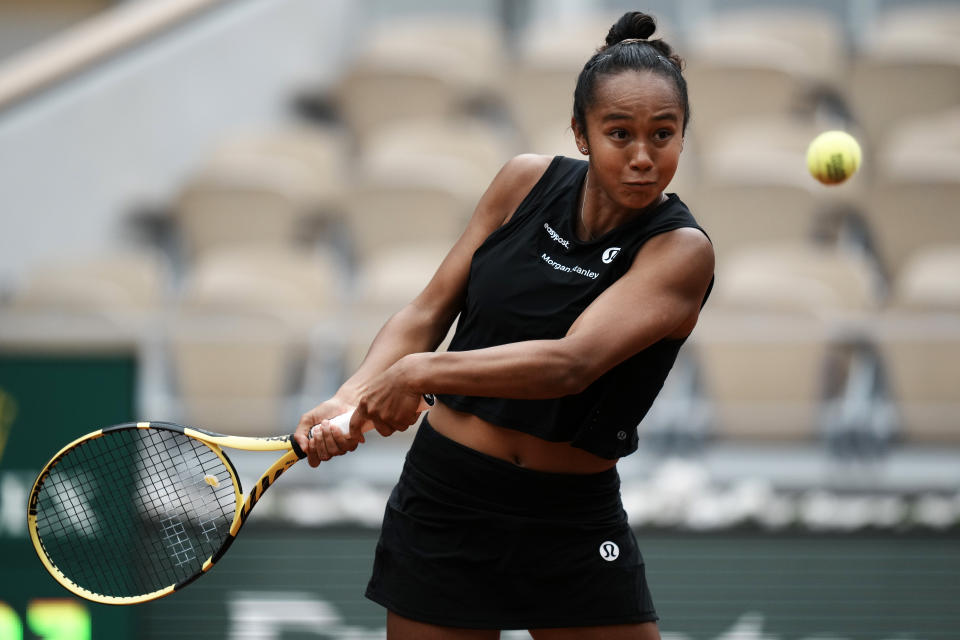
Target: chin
641, 203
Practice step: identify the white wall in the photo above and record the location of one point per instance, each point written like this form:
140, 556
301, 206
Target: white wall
74, 159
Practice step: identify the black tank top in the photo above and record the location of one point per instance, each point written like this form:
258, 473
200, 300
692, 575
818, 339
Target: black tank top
530, 279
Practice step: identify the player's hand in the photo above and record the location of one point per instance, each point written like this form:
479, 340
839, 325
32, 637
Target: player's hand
388, 404
321, 440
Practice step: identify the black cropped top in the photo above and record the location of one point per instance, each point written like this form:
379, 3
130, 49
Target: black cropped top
530, 279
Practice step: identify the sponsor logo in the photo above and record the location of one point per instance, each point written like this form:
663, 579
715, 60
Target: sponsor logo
610, 254
556, 236
609, 551
587, 273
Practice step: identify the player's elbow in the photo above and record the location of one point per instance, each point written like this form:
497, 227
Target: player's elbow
574, 375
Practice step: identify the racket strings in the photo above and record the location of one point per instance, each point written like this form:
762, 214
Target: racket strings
135, 510
68, 492
191, 465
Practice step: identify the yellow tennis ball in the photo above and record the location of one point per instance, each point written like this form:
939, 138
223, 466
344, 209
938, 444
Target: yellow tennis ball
833, 156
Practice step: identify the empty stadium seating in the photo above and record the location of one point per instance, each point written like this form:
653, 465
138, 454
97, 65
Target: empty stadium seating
907, 66
764, 341
430, 67
122, 281
267, 215
919, 340
914, 200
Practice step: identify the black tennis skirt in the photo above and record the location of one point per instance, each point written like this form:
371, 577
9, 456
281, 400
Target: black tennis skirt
472, 541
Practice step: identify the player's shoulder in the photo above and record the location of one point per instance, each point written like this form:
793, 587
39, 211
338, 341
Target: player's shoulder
514, 181
686, 246
690, 237
524, 169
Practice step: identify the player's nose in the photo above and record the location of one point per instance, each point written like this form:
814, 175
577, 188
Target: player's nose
640, 159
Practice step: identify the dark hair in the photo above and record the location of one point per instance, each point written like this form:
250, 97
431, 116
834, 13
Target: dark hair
628, 48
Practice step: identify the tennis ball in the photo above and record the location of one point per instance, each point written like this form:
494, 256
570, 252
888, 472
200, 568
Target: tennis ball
833, 156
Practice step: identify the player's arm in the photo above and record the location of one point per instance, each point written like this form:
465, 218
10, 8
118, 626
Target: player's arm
659, 297
422, 324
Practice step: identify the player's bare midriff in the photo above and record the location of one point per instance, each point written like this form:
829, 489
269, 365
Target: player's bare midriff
516, 447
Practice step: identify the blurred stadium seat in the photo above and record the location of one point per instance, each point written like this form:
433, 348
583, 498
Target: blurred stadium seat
764, 341
405, 195
930, 280
123, 281
738, 71
383, 215
914, 200
921, 352
907, 66
324, 152
247, 200
752, 187
743, 216
233, 371
817, 34
388, 280
297, 287
239, 340
471, 146
798, 277
762, 374
393, 277
428, 67
919, 339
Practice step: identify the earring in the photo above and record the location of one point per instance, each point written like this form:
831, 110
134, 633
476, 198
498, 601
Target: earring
583, 149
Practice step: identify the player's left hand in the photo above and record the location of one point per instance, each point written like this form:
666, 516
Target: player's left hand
388, 403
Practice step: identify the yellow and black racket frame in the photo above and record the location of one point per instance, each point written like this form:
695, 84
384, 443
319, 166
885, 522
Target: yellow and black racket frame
214, 441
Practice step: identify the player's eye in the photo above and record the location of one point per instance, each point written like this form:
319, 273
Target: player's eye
663, 134
618, 134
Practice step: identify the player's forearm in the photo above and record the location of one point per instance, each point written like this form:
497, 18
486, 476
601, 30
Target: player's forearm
410, 330
531, 369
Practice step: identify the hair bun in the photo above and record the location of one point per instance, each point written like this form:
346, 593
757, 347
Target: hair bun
633, 24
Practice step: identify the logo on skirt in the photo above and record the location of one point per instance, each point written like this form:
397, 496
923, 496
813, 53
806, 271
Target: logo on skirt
609, 551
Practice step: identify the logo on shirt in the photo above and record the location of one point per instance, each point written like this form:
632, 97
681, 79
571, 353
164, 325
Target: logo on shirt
556, 236
610, 254
587, 273
609, 551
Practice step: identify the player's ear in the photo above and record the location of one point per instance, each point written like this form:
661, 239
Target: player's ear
580, 137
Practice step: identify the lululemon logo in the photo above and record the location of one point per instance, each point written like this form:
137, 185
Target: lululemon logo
610, 254
609, 551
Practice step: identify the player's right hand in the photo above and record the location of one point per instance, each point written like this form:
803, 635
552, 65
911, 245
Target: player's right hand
318, 438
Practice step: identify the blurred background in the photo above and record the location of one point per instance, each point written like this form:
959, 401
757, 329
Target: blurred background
209, 207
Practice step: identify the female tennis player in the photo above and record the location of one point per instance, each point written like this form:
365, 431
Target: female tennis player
575, 282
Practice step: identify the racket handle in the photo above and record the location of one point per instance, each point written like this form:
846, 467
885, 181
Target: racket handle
342, 421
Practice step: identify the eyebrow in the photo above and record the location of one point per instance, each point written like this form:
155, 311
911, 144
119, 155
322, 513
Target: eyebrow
622, 116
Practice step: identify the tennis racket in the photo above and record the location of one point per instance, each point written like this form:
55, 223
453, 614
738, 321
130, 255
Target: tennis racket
136, 511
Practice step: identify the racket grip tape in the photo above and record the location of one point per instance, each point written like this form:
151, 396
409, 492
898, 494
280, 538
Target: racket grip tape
342, 421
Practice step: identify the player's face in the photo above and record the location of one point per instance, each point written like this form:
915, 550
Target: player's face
634, 135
